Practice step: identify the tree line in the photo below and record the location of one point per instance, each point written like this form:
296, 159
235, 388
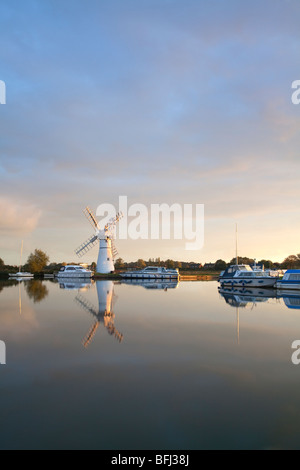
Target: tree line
38, 262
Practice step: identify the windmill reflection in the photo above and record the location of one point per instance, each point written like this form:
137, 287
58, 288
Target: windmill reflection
103, 314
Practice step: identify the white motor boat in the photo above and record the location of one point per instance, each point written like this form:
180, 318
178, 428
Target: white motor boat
290, 280
244, 276
152, 272
74, 271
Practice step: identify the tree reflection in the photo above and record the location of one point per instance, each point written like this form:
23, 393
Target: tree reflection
36, 290
7, 283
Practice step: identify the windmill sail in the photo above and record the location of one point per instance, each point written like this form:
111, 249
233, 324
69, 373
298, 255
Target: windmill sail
86, 246
91, 218
86, 305
114, 249
87, 340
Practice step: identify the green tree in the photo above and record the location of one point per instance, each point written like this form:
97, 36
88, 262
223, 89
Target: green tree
220, 265
37, 261
170, 264
1, 263
119, 263
141, 264
242, 260
291, 262
268, 264
93, 266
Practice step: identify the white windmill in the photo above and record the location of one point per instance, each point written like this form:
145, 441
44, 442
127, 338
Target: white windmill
105, 236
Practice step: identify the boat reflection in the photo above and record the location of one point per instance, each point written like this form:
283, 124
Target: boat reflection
243, 297
290, 299
159, 284
79, 285
103, 314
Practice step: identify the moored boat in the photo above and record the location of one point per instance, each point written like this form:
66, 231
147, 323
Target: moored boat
21, 275
152, 272
245, 276
290, 280
73, 271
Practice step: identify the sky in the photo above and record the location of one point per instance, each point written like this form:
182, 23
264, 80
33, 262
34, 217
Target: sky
164, 101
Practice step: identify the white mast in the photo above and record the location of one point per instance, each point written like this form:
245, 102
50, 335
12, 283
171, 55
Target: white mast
236, 244
20, 268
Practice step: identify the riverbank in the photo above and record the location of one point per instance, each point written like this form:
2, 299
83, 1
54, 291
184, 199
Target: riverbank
184, 276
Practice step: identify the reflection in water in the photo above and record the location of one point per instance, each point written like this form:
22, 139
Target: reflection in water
250, 297
183, 380
290, 299
36, 290
242, 297
7, 283
76, 284
152, 284
104, 314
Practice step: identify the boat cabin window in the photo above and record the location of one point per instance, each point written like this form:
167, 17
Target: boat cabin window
294, 301
62, 269
294, 277
70, 269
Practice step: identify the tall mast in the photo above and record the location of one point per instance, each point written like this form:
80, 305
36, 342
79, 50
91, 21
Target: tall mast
21, 256
236, 244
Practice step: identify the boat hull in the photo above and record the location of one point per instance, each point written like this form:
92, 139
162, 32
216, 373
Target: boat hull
290, 285
149, 276
22, 275
74, 276
260, 282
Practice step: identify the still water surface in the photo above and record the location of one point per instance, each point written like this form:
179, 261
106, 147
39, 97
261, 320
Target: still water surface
118, 366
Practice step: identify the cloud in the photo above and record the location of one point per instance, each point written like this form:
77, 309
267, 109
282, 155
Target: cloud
18, 218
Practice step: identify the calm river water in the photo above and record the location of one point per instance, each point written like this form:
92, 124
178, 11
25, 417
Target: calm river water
152, 366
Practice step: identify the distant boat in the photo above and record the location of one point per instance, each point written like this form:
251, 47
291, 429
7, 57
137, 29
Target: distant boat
20, 274
152, 272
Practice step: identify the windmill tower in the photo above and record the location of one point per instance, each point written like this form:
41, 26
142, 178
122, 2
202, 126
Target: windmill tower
105, 237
